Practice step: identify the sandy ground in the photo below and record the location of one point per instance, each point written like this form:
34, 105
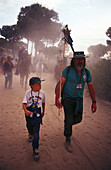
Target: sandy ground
91, 139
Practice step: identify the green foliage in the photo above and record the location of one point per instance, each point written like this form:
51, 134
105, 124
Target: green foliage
39, 24
108, 33
11, 33
36, 21
7, 45
11, 36
101, 74
97, 50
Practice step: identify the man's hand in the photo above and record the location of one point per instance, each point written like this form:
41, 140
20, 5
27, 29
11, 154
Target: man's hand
93, 107
28, 113
58, 104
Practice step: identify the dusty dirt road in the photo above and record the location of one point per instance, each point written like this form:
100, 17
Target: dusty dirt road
91, 139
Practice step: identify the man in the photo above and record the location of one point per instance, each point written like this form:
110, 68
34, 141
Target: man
43, 60
22, 54
59, 65
72, 87
8, 66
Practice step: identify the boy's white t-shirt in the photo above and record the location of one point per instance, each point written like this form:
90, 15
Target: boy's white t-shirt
40, 96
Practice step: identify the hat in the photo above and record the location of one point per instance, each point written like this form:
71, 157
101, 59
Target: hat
34, 80
79, 54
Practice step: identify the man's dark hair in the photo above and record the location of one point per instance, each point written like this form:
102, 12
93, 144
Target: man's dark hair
72, 63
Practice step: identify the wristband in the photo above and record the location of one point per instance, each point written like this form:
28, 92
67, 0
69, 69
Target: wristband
94, 101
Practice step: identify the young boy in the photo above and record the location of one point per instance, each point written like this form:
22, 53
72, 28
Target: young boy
33, 101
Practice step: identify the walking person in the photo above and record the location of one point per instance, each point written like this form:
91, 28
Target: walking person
73, 82
34, 107
7, 67
22, 54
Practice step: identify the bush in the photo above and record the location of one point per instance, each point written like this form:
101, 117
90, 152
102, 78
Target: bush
101, 75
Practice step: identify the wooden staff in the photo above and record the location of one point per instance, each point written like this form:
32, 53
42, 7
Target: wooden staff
60, 90
67, 38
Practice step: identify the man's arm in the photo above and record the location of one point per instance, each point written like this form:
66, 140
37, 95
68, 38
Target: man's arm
27, 112
93, 97
58, 95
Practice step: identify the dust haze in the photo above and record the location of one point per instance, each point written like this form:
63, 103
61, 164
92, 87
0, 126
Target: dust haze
90, 141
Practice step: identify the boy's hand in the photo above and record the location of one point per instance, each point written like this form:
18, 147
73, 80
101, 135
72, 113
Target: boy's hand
42, 114
28, 113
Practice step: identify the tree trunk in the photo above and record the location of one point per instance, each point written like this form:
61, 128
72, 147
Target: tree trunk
13, 51
27, 44
35, 47
32, 46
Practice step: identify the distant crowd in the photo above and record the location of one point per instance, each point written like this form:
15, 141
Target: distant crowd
8, 63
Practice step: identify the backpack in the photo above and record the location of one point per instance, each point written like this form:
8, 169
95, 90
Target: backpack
68, 70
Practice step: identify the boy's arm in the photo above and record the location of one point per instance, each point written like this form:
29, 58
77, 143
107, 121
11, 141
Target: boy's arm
43, 107
27, 112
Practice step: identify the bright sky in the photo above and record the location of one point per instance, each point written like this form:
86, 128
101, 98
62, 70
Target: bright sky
87, 19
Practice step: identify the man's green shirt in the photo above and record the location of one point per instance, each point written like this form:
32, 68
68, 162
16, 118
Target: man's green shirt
74, 84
